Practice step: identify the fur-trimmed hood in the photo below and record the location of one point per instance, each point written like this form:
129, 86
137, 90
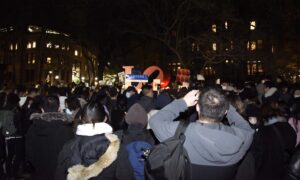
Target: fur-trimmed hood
49, 116
80, 172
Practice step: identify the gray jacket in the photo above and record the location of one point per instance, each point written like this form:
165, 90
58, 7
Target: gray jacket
206, 144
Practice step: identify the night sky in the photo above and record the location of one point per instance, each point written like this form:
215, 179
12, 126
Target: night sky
103, 24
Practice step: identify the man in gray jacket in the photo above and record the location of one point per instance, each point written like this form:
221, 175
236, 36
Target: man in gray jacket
214, 149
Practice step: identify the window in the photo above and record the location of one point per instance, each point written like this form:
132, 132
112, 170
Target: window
16, 46
33, 59
49, 60
214, 28
214, 46
273, 49
63, 47
68, 48
231, 45
29, 45
254, 67
33, 44
193, 47
11, 47
259, 44
226, 25
253, 45
49, 45
252, 25
76, 53
56, 46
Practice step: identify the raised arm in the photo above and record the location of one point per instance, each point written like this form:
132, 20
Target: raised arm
162, 122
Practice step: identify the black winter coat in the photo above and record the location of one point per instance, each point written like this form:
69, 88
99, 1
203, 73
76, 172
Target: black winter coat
88, 157
44, 139
273, 154
293, 172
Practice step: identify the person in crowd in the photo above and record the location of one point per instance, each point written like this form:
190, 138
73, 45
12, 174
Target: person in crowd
136, 139
271, 92
11, 134
46, 137
92, 153
213, 148
72, 107
293, 170
131, 95
118, 112
147, 100
277, 139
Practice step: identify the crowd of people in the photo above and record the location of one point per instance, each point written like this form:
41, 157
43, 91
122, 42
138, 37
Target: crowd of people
243, 131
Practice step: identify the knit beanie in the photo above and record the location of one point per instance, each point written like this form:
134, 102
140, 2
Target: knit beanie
136, 115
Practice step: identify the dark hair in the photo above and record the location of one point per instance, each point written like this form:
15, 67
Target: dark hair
272, 109
269, 84
50, 104
73, 103
113, 92
12, 101
93, 112
213, 103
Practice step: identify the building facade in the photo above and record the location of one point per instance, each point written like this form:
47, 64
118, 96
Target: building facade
35, 54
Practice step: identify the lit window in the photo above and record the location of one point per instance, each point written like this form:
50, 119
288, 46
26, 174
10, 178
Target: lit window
214, 46
273, 49
178, 67
56, 46
253, 45
49, 60
49, 45
259, 44
33, 59
63, 47
226, 61
28, 62
214, 28
248, 45
252, 25
231, 45
226, 25
11, 47
68, 48
29, 45
33, 44
193, 47
16, 46
76, 53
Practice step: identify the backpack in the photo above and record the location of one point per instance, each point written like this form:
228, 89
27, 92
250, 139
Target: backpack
137, 153
7, 125
169, 159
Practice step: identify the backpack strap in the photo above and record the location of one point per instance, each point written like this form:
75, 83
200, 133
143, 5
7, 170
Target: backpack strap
183, 124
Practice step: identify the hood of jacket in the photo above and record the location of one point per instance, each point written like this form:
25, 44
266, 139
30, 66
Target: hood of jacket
50, 116
214, 144
90, 149
47, 124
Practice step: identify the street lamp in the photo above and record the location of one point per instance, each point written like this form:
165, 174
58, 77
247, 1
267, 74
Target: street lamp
82, 78
56, 77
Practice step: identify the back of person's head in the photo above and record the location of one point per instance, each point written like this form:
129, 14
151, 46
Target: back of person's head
50, 104
112, 91
53, 91
12, 101
272, 109
269, 84
147, 90
93, 112
72, 103
213, 104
